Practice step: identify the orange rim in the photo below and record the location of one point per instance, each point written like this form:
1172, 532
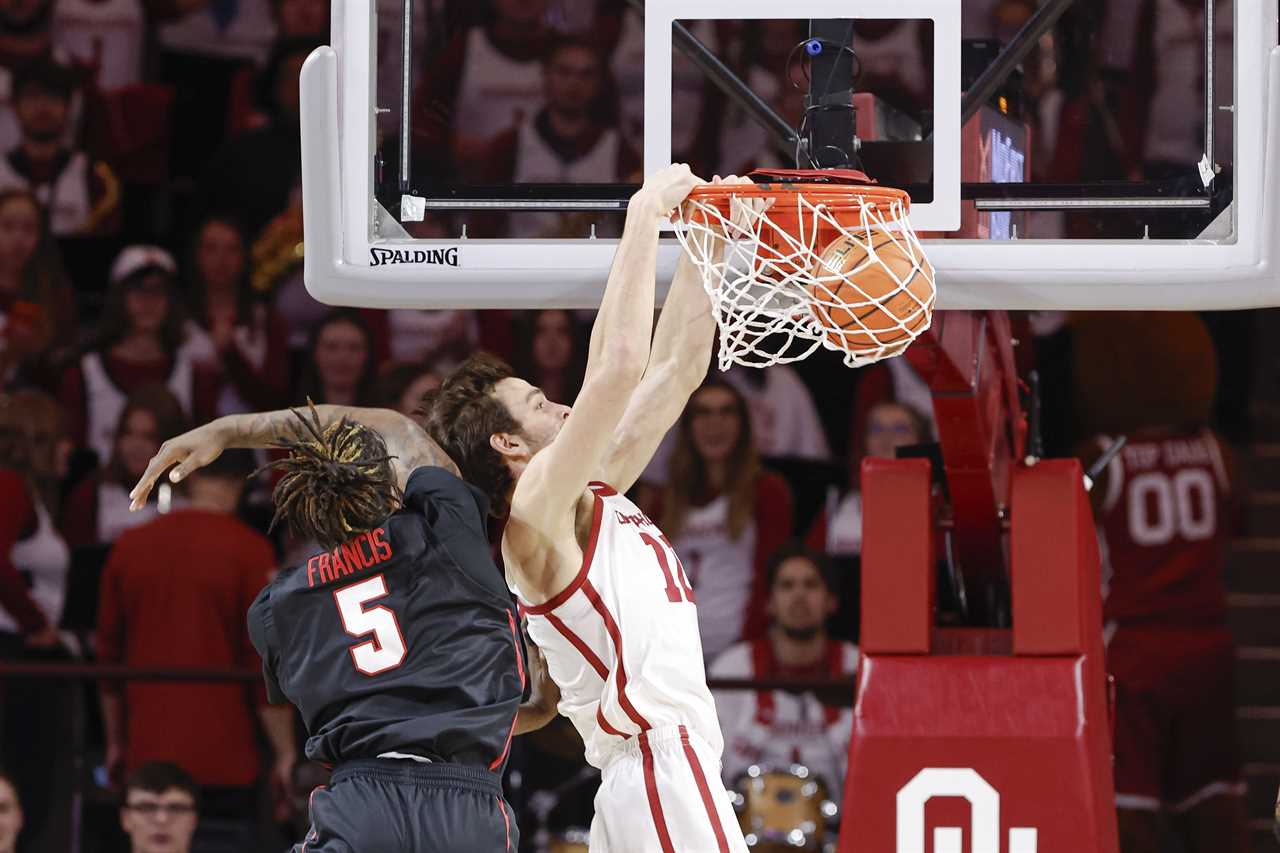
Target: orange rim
836, 198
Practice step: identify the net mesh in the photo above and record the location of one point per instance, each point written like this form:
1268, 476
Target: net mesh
801, 268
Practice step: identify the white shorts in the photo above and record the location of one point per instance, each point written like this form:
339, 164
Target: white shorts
662, 793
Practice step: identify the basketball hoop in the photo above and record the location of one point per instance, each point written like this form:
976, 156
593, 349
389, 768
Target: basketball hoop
810, 258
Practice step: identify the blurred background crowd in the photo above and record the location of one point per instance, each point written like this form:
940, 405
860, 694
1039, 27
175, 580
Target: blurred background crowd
150, 280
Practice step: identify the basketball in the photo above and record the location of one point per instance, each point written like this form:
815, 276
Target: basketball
870, 300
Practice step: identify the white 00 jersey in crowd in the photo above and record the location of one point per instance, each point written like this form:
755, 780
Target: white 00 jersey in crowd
622, 640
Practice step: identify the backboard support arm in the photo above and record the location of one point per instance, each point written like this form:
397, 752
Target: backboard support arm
830, 119
1013, 53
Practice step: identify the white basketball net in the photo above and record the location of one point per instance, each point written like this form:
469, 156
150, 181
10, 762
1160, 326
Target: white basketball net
771, 302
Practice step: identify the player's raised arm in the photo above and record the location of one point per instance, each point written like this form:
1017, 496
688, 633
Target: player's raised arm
678, 362
407, 443
619, 351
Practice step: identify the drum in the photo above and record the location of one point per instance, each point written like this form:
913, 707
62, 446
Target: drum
783, 809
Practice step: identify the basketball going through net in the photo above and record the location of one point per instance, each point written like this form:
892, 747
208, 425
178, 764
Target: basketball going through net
811, 258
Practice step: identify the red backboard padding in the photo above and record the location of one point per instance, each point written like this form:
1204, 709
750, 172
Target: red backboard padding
1009, 753
897, 557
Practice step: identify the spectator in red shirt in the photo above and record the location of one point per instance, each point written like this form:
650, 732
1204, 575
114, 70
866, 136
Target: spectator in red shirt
174, 594
725, 514
236, 336
161, 809
141, 340
97, 510
37, 304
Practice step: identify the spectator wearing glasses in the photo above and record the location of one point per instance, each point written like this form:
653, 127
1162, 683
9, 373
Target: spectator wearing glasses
160, 809
837, 532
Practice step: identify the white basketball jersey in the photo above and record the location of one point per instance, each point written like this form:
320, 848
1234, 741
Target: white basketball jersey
622, 640
496, 91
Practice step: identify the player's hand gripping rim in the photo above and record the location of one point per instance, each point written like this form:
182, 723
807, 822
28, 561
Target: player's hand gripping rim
743, 221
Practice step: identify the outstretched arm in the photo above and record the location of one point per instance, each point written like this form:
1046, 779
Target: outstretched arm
678, 362
556, 477
407, 442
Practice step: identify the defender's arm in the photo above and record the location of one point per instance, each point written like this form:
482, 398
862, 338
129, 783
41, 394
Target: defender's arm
407, 442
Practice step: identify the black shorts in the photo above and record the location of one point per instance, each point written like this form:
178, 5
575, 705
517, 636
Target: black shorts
398, 806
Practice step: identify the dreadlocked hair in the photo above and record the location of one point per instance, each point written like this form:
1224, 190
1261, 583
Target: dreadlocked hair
337, 483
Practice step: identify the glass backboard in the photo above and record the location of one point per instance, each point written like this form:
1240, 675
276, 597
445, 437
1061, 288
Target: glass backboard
1058, 155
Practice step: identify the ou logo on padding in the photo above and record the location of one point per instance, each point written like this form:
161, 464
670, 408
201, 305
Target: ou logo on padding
984, 820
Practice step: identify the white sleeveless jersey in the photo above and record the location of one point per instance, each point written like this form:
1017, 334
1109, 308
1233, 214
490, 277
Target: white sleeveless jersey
537, 162
104, 401
66, 197
43, 557
496, 91
720, 568
622, 640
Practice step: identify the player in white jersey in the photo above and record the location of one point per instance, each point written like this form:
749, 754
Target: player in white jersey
606, 598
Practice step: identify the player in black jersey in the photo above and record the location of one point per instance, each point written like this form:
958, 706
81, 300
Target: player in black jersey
398, 642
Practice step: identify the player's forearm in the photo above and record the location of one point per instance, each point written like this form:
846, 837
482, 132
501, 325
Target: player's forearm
268, 429
682, 342
624, 324
533, 716
541, 707
406, 442
544, 693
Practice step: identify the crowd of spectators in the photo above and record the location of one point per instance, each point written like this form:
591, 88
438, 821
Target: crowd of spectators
150, 280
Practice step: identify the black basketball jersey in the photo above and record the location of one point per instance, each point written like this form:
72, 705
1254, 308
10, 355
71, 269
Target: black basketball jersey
404, 639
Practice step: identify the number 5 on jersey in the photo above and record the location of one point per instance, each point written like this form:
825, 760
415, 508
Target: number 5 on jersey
385, 650
660, 550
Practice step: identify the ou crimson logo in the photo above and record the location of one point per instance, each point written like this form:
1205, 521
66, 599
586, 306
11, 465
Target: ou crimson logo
984, 820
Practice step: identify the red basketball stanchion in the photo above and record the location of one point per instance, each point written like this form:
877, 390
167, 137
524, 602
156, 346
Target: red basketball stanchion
956, 748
